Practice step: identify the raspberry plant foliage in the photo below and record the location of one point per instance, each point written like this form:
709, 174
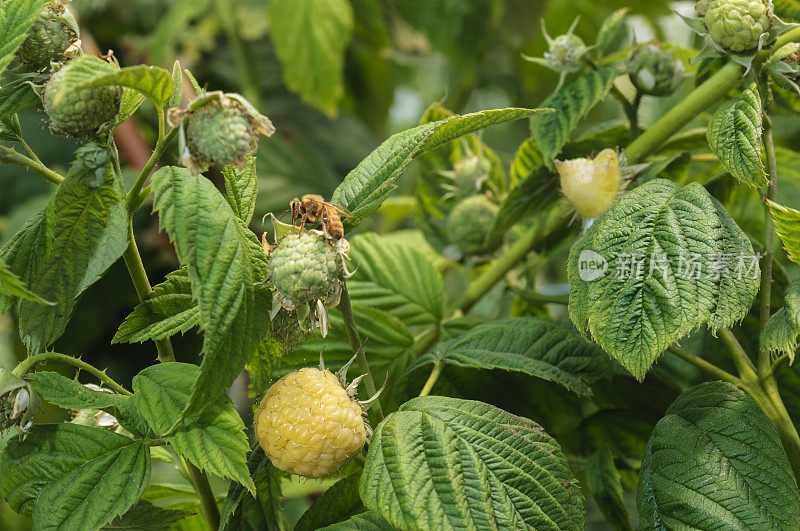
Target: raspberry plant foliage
521, 295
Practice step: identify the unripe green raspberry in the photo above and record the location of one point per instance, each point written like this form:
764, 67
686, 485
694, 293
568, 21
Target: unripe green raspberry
51, 34
565, 52
469, 222
469, 173
701, 7
304, 268
308, 424
81, 112
654, 71
220, 134
737, 25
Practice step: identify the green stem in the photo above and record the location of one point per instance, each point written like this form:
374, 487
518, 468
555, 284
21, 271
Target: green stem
632, 110
133, 260
705, 366
530, 239
764, 362
207, 499
357, 346
532, 295
747, 372
244, 65
769, 399
29, 150
10, 156
135, 196
437, 370
27, 364
710, 92
428, 338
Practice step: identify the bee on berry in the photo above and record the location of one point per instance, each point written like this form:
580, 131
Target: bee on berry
314, 209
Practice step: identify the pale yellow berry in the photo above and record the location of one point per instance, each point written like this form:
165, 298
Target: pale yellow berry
591, 185
308, 425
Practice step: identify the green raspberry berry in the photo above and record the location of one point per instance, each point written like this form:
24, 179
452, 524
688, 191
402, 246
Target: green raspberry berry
737, 25
219, 133
565, 52
51, 34
469, 173
305, 268
81, 112
701, 7
469, 222
654, 71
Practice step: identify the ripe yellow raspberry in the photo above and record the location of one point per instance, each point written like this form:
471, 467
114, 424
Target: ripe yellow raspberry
308, 424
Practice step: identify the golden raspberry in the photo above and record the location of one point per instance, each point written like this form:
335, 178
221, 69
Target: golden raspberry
309, 425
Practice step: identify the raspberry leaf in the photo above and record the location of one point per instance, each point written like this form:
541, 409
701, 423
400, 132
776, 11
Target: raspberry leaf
145, 515
367, 521
70, 476
572, 102
672, 254
470, 464
734, 136
397, 278
17, 17
787, 225
225, 262
12, 286
25, 251
16, 97
780, 333
366, 187
337, 503
241, 188
169, 309
542, 348
86, 232
242, 511
715, 461
604, 483
310, 38
153, 82
69, 394
213, 441
532, 195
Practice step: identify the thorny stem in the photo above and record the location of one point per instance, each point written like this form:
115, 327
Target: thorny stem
207, 499
437, 370
11, 156
355, 343
769, 238
705, 366
135, 196
28, 363
133, 260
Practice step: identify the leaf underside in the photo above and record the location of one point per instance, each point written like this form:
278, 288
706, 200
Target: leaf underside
734, 136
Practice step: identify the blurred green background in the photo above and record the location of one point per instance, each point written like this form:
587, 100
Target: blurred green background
399, 57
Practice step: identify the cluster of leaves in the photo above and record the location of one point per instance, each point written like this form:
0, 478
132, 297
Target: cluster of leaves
471, 456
